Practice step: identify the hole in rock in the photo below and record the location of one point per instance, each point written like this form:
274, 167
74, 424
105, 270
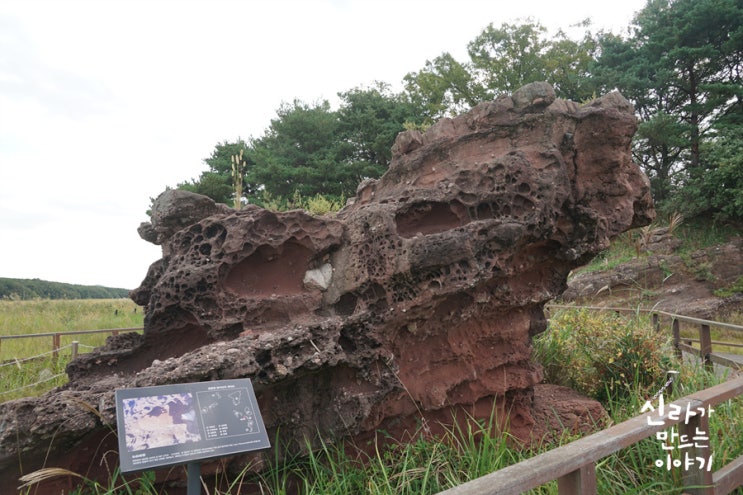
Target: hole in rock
270, 270
267, 314
213, 230
346, 305
263, 357
486, 211
427, 218
346, 344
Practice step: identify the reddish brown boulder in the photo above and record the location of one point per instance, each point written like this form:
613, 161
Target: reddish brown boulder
416, 302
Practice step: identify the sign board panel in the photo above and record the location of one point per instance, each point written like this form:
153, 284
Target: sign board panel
186, 422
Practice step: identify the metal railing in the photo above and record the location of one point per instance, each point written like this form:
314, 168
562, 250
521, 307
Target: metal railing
57, 336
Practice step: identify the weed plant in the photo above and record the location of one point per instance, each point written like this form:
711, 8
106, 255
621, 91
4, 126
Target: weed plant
621, 250
28, 378
624, 364
699, 234
734, 288
610, 355
316, 205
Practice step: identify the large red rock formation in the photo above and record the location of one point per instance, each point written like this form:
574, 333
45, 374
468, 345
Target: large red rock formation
416, 302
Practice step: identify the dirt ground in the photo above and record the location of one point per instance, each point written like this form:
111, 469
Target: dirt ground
664, 279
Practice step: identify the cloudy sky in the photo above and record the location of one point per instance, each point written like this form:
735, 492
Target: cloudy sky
104, 103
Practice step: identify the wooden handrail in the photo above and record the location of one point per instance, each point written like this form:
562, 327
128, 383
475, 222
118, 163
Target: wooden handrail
573, 465
688, 319
705, 339
715, 342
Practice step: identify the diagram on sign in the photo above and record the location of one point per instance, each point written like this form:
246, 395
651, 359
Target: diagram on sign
226, 413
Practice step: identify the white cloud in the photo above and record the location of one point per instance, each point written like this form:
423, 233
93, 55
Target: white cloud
103, 104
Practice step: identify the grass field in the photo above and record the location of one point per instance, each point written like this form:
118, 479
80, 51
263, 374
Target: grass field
624, 368
28, 361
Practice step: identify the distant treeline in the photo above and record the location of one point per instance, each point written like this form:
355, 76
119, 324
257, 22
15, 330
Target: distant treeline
24, 289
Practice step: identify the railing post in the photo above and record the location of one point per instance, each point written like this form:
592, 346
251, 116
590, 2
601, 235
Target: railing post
697, 477
671, 377
705, 344
55, 345
676, 330
579, 482
75, 344
656, 322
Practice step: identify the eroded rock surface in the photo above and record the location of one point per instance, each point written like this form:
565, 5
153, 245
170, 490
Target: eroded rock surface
415, 302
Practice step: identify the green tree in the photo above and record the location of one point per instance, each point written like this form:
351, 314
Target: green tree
369, 121
502, 60
719, 192
681, 68
506, 58
310, 149
569, 62
443, 87
300, 153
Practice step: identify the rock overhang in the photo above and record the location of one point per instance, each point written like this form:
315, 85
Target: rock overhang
417, 300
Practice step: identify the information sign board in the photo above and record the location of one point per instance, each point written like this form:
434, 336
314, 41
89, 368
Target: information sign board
187, 422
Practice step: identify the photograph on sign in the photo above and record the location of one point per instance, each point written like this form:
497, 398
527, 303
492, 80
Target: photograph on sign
176, 424
160, 421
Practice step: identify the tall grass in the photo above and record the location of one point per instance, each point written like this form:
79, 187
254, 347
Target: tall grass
43, 316
427, 465
27, 365
609, 354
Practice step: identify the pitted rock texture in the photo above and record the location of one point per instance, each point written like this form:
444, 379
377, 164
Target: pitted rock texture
414, 304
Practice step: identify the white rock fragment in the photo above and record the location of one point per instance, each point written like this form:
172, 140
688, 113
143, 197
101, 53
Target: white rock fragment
318, 278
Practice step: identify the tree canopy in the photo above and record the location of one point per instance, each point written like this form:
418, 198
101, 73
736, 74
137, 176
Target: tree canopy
24, 289
310, 149
501, 60
681, 68
680, 64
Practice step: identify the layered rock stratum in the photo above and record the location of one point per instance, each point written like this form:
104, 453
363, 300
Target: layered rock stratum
413, 306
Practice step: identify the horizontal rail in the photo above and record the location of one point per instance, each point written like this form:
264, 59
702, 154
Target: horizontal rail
688, 319
687, 348
706, 343
69, 332
727, 362
728, 478
699, 321
715, 342
57, 336
573, 457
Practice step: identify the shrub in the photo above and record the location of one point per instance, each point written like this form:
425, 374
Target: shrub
315, 205
601, 354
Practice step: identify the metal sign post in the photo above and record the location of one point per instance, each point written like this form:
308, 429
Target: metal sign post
194, 479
